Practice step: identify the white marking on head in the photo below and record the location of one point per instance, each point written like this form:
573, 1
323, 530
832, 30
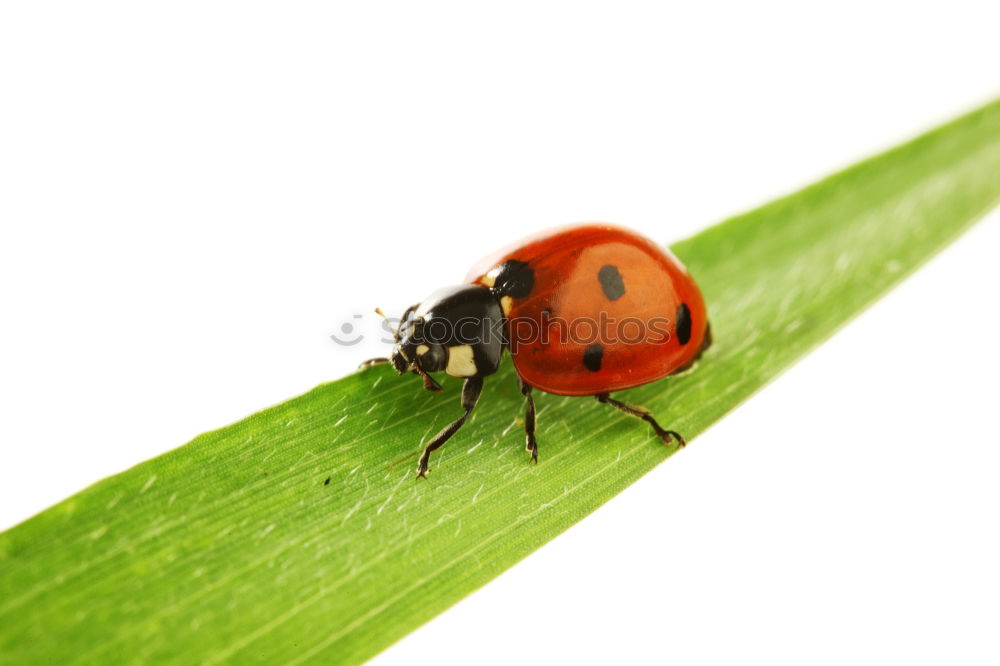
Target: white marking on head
506, 303
489, 279
461, 362
422, 349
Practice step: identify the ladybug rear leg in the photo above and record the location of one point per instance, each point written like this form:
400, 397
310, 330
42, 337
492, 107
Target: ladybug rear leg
470, 396
530, 445
642, 413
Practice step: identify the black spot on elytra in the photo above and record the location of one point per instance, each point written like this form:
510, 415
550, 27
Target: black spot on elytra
592, 357
683, 323
611, 282
515, 279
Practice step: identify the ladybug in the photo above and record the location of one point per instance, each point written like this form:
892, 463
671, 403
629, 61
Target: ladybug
584, 311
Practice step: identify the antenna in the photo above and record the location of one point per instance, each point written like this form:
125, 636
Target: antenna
395, 333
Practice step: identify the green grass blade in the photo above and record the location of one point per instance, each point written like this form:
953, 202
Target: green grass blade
232, 549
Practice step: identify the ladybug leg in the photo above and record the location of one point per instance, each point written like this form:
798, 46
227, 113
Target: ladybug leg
470, 395
373, 361
530, 445
642, 413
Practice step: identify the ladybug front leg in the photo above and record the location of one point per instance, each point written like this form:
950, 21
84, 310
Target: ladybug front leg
642, 413
530, 445
381, 360
470, 395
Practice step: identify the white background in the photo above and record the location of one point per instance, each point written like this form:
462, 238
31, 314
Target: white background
194, 196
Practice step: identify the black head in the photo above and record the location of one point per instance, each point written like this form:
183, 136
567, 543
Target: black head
458, 330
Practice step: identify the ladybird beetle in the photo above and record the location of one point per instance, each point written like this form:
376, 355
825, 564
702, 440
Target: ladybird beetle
585, 310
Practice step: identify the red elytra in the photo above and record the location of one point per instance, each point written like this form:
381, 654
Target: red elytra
647, 315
